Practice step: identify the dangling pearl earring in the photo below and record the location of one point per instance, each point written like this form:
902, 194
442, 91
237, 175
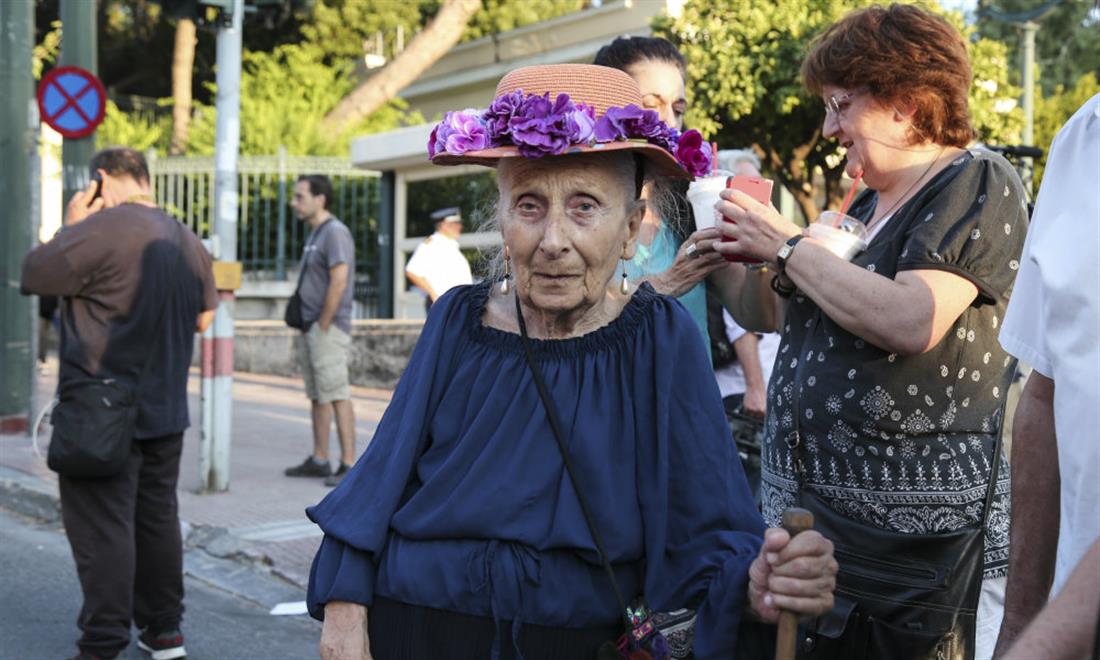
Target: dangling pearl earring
624, 287
505, 284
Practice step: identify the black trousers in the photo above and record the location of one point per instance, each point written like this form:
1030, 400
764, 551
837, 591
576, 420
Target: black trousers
125, 536
399, 631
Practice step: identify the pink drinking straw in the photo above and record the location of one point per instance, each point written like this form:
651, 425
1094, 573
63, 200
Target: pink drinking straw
851, 193
713, 157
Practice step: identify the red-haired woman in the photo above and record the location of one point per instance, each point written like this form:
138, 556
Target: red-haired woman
885, 406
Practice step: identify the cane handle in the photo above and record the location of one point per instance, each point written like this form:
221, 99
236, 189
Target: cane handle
795, 521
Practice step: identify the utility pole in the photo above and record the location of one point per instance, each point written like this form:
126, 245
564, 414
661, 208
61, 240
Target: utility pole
17, 144
1027, 77
217, 369
78, 48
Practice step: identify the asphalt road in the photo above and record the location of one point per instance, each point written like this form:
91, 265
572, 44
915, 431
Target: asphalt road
40, 599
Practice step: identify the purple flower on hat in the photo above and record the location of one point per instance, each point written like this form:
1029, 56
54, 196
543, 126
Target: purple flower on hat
648, 125
583, 124
541, 128
499, 115
667, 139
629, 122
459, 132
613, 124
693, 153
432, 151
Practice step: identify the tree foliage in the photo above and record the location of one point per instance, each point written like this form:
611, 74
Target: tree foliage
1067, 43
139, 130
745, 88
441, 34
1052, 112
284, 95
498, 16
292, 74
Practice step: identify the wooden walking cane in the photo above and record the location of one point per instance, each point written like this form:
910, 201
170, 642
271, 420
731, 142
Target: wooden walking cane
795, 520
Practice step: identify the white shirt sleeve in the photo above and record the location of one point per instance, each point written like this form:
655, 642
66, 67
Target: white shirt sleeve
1024, 331
418, 263
733, 331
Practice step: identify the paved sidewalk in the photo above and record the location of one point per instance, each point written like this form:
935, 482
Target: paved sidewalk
261, 517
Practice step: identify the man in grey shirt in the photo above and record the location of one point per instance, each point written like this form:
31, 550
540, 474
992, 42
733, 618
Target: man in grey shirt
325, 290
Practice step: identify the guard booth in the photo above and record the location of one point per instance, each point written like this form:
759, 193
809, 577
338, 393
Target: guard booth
416, 188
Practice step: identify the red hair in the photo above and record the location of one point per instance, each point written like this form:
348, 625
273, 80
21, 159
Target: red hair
901, 55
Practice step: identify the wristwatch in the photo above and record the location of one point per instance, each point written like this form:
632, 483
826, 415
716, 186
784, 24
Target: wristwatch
785, 251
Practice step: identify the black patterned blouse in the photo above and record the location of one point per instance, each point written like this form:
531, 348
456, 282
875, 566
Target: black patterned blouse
905, 443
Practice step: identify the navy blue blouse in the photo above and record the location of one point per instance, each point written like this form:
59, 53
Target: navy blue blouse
461, 501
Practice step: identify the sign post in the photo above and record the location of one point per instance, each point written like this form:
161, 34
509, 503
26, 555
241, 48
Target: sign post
217, 376
18, 317
78, 49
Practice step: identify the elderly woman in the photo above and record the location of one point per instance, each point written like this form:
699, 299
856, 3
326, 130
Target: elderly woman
885, 406
466, 530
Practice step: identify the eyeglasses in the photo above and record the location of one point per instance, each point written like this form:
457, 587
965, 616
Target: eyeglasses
838, 105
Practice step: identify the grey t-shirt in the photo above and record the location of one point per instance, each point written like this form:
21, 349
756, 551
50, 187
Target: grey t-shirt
328, 245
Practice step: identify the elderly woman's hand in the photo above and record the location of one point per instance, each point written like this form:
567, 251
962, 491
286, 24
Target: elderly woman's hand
691, 265
344, 635
796, 574
759, 230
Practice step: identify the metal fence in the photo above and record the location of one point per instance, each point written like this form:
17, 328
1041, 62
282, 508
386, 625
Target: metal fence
269, 237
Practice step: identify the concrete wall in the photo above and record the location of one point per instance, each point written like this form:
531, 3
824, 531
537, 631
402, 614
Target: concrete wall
260, 300
380, 349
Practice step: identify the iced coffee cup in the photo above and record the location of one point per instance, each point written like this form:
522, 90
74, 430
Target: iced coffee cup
702, 194
842, 234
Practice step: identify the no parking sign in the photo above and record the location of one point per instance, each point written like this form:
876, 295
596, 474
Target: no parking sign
71, 101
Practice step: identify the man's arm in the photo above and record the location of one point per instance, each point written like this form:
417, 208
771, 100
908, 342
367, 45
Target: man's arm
1066, 629
337, 284
1035, 509
422, 284
748, 355
205, 319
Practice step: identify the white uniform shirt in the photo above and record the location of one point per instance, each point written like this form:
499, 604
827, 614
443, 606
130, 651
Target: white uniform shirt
1053, 321
439, 261
731, 378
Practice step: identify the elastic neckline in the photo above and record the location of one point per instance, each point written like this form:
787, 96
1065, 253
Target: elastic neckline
613, 334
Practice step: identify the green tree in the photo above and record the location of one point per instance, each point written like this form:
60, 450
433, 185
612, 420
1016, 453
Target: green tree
498, 16
140, 130
344, 28
1052, 112
272, 116
745, 88
1067, 44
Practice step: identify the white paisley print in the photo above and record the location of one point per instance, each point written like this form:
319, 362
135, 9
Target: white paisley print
905, 442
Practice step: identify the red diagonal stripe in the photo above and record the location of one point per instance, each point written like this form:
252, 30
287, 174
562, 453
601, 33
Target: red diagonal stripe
71, 101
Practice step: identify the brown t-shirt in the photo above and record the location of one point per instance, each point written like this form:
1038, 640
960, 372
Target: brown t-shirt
117, 271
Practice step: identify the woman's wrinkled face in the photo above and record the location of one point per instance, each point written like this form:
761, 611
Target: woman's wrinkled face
566, 222
873, 135
662, 89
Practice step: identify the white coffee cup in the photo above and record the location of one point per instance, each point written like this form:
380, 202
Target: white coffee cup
703, 195
842, 234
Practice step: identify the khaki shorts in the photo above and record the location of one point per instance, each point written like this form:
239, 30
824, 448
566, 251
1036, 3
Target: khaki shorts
324, 359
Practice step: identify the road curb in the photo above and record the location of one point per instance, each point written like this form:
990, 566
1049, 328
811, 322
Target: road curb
211, 554
23, 496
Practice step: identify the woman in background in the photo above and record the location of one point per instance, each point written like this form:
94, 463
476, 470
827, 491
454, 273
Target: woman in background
663, 257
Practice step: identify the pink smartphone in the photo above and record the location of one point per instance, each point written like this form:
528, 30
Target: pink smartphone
759, 189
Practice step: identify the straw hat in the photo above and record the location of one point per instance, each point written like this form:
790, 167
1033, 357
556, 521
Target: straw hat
597, 87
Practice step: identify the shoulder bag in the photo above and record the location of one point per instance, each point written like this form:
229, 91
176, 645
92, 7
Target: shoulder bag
898, 596
93, 421
292, 315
